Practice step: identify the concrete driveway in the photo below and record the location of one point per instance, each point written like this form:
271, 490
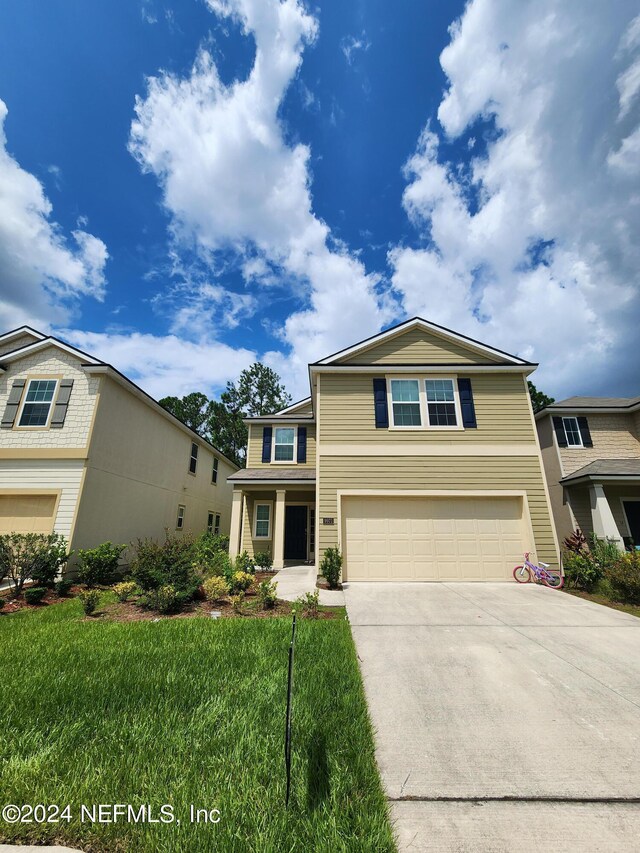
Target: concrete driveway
507, 717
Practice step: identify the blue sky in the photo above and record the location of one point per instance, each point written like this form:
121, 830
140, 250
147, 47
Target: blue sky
187, 186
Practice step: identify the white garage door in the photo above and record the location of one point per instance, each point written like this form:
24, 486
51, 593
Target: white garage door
432, 539
27, 513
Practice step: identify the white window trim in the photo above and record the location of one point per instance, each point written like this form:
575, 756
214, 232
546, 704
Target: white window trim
184, 512
196, 457
424, 409
293, 461
566, 437
215, 470
23, 402
266, 538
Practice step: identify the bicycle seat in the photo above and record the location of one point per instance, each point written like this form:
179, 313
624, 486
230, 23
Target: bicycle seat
544, 565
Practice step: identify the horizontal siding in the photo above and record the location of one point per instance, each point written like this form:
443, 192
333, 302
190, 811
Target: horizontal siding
468, 473
254, 449
502, 413
613, 437
64, 474
417, 347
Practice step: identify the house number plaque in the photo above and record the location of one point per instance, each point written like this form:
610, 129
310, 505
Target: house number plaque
328, 521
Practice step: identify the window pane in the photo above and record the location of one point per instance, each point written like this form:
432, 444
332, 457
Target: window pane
262, 512
406, 414
35, 414
284, 436
262, 528
283, 453
572, 432
40, 391
442, 414
405, 391
440, 390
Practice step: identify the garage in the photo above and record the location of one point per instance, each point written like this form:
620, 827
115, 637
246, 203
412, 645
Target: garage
27, 513
432, 538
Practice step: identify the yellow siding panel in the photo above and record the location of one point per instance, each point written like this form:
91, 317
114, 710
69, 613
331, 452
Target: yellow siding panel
254, 448
417, 346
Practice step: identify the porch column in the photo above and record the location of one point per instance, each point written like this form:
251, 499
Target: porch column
236, 523
604, 524
278, 530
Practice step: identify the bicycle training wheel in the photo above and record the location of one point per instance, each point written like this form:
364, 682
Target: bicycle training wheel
522, 574
553, 581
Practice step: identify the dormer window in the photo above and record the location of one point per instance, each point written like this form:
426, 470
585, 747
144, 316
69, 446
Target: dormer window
572, 432
38, 400
284, 444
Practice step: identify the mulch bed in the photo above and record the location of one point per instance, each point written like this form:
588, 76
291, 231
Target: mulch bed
12, 605
322, 584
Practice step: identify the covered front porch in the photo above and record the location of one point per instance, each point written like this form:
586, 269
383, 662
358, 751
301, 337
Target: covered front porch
275, 512
604, 497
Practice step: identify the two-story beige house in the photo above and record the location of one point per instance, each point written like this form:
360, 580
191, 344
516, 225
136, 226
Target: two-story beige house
86, 453
591, 452
416, 454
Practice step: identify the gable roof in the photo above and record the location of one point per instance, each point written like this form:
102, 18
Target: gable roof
427, 326
7, 337
289, 410
604, 405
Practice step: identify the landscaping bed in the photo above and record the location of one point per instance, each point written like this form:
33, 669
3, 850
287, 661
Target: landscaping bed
187, 712
599, 598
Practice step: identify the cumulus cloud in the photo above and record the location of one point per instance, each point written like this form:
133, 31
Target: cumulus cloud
230, 180
42, 274
165, 365
534, 246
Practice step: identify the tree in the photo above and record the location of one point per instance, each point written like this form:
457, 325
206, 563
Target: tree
192, 410
260, 391
539, 400
225, 429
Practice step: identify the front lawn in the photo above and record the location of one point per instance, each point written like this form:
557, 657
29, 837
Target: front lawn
182, 712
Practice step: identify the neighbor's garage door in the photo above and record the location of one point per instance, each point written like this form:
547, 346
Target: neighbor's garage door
27, 513
431, 539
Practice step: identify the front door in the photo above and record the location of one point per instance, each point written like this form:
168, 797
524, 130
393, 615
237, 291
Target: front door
295, 533
632, 511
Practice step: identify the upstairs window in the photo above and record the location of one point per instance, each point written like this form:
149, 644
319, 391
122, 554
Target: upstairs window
284, 444
441, 403
572, 432
193, 459
214, 471
405, 402
37, 403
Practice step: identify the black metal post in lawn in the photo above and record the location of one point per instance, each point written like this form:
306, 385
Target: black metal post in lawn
287, 733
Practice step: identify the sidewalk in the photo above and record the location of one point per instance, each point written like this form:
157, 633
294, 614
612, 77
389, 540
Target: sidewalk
295, 581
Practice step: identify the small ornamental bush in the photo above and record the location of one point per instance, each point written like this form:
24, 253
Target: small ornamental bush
89, 599
207, 547
34, 594
240, 581
219, 565
267, 594
624, 577
170, 563
576, 542
331, 566
237, 602
99, 566
125, 590
63, 587
244, 563
31, 556
263, 560
580, 571
215, 588
165, 599
309, 603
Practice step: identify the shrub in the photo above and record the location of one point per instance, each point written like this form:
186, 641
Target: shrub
577, 542
580, 571
331, 566
267, 594
35, 556
170, 563
308, 604
99, 566
240, 581
89, 599
244, 563
237, 602
34, 594
208, 545
165, 599
219, 565
125, 590
63, 587
263, 560
604, 552
2, 603
215, 588
624, 577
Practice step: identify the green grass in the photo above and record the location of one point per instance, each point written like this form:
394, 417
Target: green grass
600, 598
187, 711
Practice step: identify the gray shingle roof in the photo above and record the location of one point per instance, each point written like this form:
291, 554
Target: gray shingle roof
266, 474
595, 403
606, 468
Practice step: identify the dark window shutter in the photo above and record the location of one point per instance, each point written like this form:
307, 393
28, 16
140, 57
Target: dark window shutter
466, 404
266, 444
380, 402
13, 403
560, 433
62, 404
585, 433
302, 444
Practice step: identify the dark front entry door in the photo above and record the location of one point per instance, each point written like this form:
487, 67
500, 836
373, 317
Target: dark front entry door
632, 511
295, 533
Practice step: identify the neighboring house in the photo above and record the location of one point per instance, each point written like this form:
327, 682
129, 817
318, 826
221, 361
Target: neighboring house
591, 452
86, 453
416, 454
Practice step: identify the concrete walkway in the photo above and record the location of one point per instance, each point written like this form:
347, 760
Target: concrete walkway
507, 717
295, 581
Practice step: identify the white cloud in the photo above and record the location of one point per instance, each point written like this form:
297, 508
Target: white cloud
535, 247
165, 365
230, 180
41, 274
350, 45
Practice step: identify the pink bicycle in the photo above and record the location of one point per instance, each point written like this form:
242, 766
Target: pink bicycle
526, 573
